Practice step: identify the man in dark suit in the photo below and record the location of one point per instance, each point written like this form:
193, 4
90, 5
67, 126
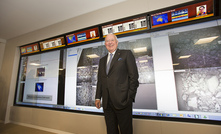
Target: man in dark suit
117, 86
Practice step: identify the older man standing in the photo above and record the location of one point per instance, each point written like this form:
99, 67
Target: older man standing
117, 86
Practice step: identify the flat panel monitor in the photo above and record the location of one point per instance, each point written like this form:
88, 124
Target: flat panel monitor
127, 26
83, 36
52, 43
183, 14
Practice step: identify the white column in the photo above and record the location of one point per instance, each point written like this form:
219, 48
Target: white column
164, 76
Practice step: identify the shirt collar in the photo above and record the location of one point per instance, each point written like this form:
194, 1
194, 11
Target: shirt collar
112, 53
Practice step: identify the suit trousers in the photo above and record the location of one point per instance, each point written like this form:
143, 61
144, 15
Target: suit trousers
118, 118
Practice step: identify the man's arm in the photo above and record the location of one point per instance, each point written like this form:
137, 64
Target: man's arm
98, 90
133, 75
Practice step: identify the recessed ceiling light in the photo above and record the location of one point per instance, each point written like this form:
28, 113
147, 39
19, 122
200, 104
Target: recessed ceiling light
82, 67
93, 56
184, 57
206, 40
176, 64
179, 70
35, 64
139, 50
142, 61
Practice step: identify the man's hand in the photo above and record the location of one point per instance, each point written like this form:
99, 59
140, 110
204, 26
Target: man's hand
98, 103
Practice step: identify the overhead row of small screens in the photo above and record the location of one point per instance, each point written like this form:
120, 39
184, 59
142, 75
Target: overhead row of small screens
182, 14
58, 42
127, 26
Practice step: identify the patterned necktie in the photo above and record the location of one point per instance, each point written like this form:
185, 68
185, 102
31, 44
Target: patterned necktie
109, 62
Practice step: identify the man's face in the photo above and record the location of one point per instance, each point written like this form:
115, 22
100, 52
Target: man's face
111, 43
201, 9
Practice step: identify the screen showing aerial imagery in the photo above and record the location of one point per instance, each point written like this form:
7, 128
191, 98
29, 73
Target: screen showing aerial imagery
197, 70
87, 66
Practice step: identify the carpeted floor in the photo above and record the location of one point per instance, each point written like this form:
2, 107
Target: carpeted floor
18, 129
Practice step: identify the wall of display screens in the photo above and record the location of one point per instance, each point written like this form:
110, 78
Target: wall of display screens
170, 86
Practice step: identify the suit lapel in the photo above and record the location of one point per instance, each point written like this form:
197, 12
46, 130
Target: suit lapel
105, 63
114, 60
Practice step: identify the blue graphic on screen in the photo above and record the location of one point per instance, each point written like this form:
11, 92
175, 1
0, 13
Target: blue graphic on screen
179, 15
160, 19
71, 39
29, 49
81, 36
39, 87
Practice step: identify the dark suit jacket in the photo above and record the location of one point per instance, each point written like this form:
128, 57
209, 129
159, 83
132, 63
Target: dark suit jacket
121, 83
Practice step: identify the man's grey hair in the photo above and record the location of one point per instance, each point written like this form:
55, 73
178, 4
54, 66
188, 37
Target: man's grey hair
114, 36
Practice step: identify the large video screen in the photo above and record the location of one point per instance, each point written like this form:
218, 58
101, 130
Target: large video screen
179, 76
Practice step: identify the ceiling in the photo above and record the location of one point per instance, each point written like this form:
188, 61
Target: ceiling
18, 17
